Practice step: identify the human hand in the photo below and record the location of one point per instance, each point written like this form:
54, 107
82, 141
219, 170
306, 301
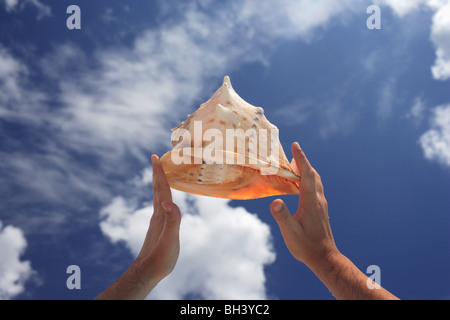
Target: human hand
307, 233
308, 236
161, 245
159, 253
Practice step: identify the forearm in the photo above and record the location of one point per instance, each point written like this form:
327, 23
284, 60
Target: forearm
345, 281
134, 284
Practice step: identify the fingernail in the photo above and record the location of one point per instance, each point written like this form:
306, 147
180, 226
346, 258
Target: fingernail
277, 206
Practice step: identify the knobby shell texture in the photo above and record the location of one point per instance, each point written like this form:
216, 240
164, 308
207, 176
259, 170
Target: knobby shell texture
228, 149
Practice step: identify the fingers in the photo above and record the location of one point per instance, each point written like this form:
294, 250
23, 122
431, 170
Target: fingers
306, 171
295, 167
310, 179
161, 188
300, 160
281, 214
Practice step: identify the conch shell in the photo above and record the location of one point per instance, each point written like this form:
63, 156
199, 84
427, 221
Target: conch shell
205, 159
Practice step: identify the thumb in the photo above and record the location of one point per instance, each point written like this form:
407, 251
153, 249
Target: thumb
170, 235
173, 217
281, 214
168, 246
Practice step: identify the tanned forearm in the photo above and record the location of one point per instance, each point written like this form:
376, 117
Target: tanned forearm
345, 281
134, 284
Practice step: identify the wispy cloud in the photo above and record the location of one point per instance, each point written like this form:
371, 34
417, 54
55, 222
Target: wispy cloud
402, 7
417, 111
386, 98
43, 10
18, 102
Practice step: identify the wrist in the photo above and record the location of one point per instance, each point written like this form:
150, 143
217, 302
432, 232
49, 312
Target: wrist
328, 265
324, 261
146, 271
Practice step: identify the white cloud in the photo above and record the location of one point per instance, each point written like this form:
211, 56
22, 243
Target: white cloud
440, 35
13, 272
223, 249
440, 29
436, 141
121, 221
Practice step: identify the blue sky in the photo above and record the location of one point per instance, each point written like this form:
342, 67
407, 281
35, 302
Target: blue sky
81, 111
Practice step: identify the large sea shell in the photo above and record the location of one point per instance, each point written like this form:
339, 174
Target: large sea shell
228, 149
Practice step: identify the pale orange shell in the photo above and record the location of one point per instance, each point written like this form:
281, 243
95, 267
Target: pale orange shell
250, 164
